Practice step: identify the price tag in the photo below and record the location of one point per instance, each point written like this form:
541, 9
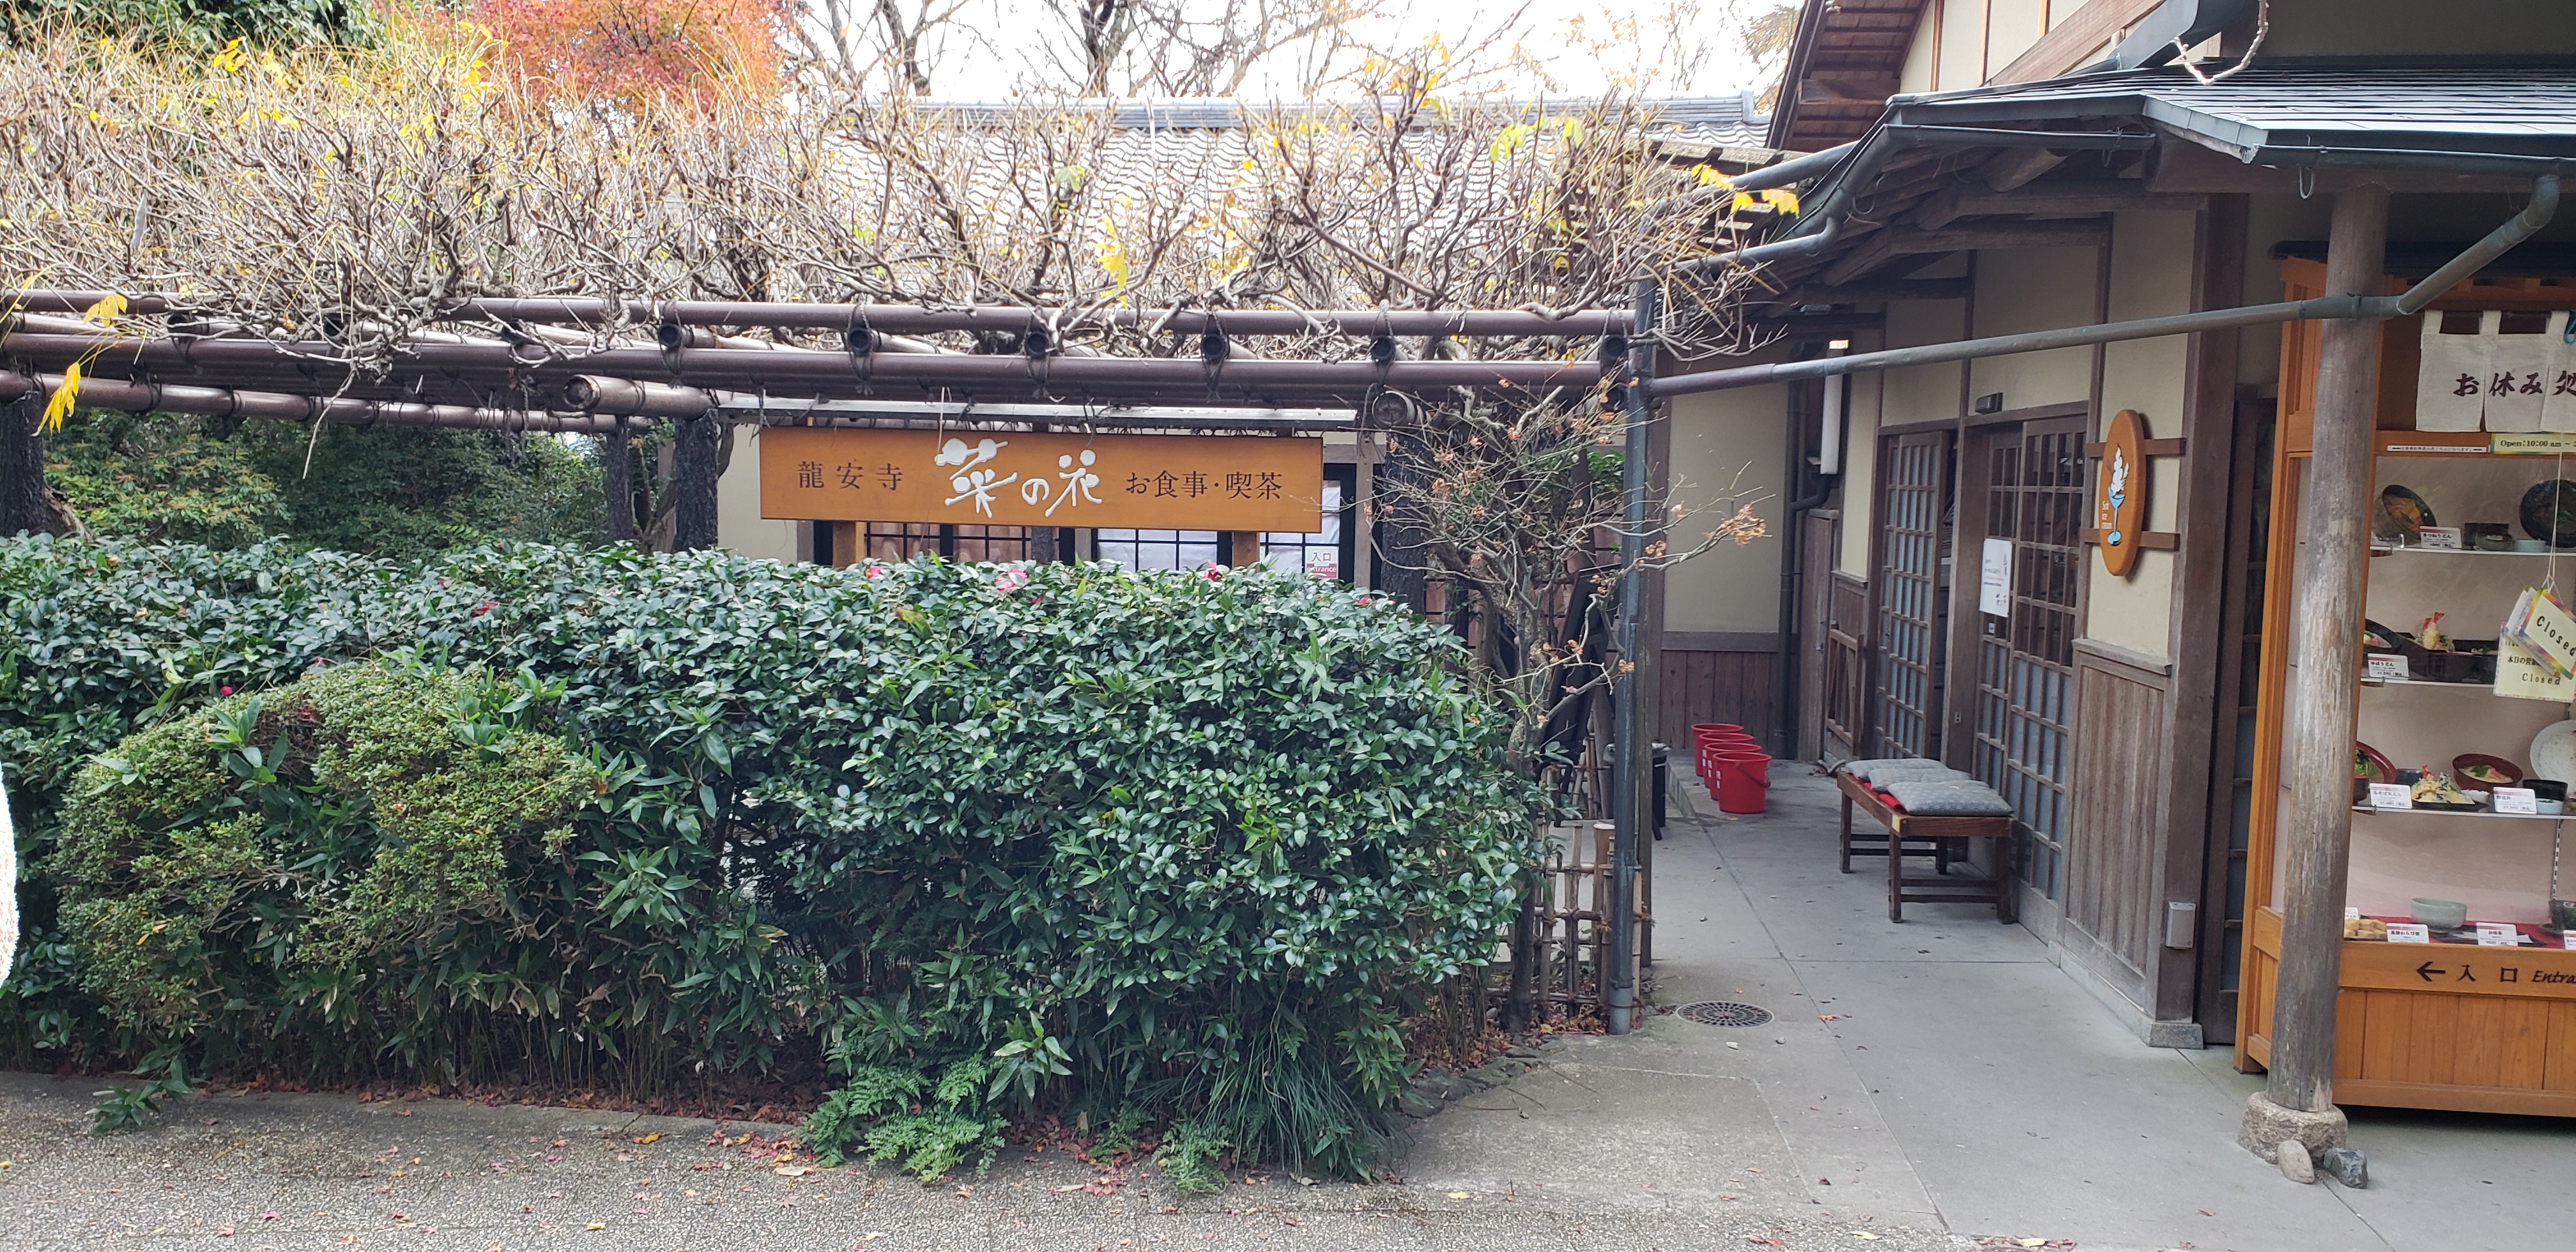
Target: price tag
2409, 932
2381, 666
2568, 940
2352, 912
2516, 800
2498, 935
2442, 537
2391, 796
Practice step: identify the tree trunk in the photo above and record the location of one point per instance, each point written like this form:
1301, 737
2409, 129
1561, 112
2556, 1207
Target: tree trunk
1520, 1005
2325, 647
698, 463
23, 507
617, 484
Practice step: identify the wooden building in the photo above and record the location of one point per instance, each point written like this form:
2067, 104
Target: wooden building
2027, 164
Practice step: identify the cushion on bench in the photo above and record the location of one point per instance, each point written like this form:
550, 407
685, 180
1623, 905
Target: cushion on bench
1899, 767
1946, 797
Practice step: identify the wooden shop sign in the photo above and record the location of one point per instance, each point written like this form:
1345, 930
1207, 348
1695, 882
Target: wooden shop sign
1017, 478
2120, 493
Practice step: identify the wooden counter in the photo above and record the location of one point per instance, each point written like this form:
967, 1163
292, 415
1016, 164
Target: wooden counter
2436, 1026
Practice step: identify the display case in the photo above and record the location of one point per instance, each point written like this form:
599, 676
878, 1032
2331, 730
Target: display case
2452, 1023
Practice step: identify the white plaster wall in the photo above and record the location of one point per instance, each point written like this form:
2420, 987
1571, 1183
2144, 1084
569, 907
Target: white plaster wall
2026, 289
2012, 26
1962, 41
1728, 441
1922, 393
739, 525
2269, 220
1860, 466
1916, 77
2150, 277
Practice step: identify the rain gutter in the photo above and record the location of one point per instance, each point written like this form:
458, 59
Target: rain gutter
2522, 226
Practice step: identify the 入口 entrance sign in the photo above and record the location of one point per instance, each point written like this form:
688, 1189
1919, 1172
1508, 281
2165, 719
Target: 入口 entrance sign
1018, 478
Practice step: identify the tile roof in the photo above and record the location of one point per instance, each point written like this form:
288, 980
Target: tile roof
2528, 111
1727, 121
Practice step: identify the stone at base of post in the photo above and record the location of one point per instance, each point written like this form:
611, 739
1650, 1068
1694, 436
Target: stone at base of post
2267, 1125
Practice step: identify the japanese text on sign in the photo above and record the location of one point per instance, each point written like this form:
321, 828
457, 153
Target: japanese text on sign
1019, 478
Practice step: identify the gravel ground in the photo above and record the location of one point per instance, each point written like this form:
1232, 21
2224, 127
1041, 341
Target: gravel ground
326, 1172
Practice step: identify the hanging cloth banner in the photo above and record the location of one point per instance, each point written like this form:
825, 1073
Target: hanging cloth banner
2558, 408
2451, 384
2517, 379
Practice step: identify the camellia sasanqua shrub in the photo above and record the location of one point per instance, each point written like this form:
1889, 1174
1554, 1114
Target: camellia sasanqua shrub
1003, 840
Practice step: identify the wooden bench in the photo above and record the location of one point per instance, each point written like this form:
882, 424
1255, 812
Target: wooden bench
1909, 835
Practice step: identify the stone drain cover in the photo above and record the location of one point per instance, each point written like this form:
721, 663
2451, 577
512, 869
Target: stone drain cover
1726, 1013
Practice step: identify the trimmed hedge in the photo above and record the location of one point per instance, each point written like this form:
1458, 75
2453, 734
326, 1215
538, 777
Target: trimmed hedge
1171, 842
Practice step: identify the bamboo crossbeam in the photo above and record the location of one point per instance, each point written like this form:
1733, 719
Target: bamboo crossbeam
115, 393
918, 319
300, 364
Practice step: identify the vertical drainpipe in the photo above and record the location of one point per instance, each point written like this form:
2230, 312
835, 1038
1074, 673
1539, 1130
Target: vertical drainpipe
1631, 700
1829, 434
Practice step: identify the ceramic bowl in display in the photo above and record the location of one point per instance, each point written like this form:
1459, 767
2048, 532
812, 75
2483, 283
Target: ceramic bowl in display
2529, 545
2400, 517
2369, 766
2492, 771
2548, 513
2553, 753
2489, 536
2441, 914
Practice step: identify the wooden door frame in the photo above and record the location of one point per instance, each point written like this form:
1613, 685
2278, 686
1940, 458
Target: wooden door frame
1875, 649
1814, 604
1970, 482
2214, 1005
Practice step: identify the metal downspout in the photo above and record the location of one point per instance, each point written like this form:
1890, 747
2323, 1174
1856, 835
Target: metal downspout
1784, 669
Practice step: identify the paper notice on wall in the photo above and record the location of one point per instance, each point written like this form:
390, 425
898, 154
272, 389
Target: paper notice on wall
2518, 375
2520, 676
2451, 384
1994, 578
2558, 407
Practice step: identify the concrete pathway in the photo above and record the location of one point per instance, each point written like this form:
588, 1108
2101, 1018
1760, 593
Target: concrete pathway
1934, 1085
1943, 1073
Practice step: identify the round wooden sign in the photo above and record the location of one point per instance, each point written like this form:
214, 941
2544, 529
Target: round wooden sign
2120, 493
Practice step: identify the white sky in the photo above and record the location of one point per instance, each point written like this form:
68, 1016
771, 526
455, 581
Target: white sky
1562, 42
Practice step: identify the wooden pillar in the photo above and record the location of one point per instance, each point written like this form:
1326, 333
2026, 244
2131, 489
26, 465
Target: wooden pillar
2325, 644
617, 484
845, 542
1242, 548
697, 462
23, 509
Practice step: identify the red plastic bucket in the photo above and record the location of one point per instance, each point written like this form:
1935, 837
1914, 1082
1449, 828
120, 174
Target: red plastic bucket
1710, 738
1743, 781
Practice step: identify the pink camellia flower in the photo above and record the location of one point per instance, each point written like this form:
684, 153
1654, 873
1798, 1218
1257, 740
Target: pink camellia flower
223, 691
871, 571
486, 607
1364, 599
1011, 580
1212, 573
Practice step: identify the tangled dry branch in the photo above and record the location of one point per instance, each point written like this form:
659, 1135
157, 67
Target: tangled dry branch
349, 194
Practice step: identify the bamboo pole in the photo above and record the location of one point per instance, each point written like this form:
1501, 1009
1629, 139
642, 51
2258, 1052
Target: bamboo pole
2324, 648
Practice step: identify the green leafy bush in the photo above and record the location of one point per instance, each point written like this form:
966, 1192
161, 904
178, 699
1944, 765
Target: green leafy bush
1181, 842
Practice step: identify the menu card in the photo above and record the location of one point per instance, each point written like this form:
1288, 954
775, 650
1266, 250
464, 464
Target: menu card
2391, 796
2381, 666
2409, 932
2498, 935
2516, 800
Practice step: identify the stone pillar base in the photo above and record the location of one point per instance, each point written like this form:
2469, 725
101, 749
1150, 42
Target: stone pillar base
2267, 1124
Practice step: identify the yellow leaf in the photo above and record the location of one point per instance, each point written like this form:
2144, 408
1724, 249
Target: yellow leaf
105, 312
1781, 198
59, 405
596, 1226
